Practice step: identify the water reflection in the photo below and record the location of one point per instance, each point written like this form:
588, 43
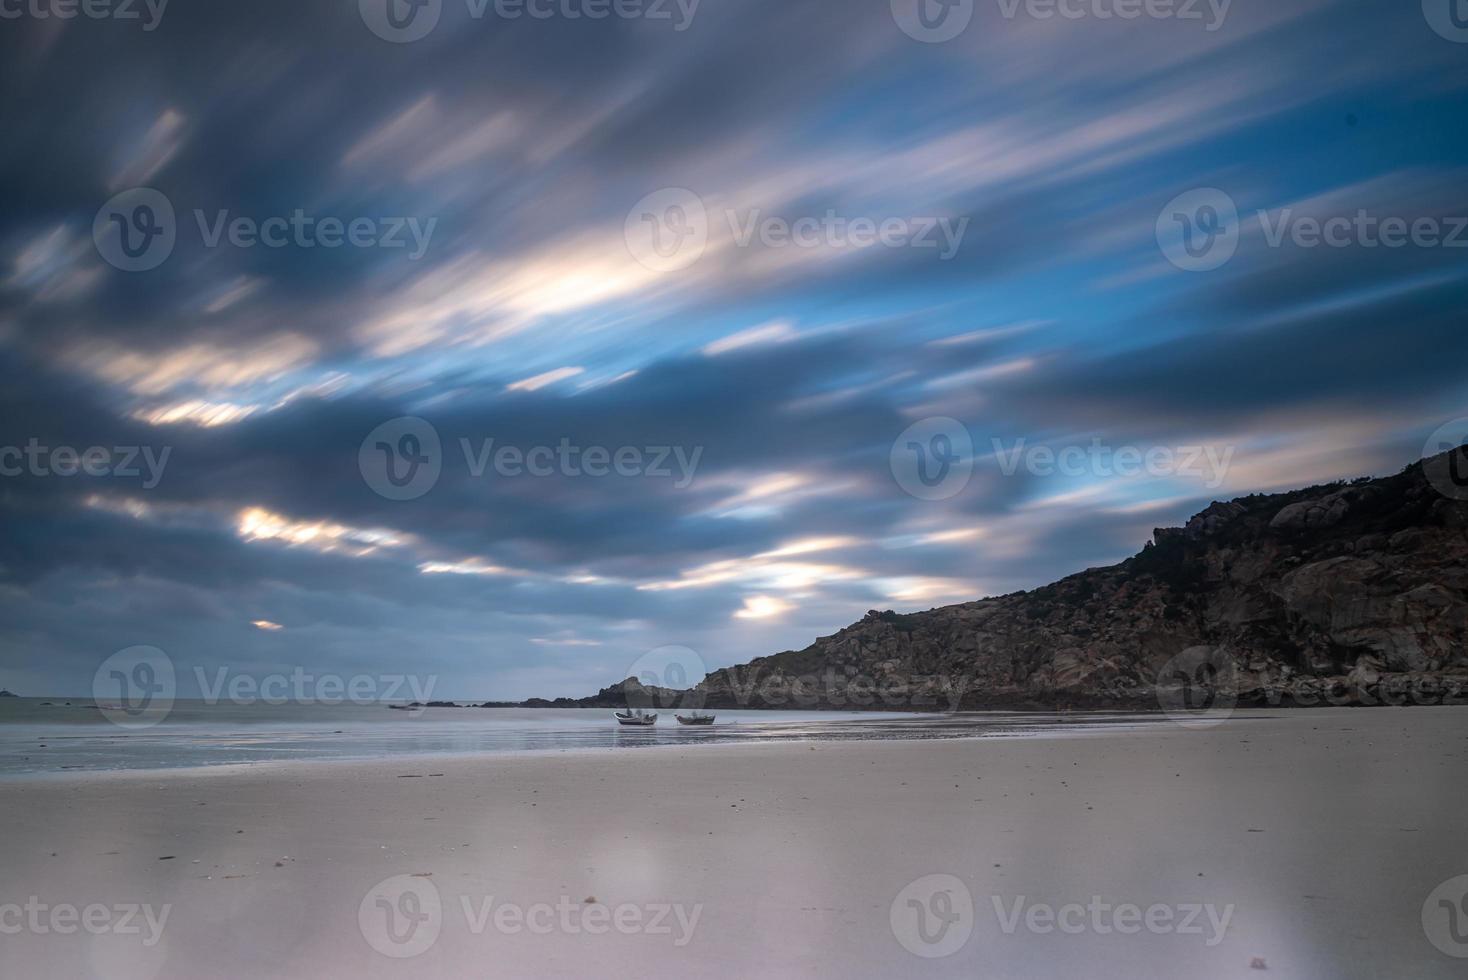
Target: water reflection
57, 738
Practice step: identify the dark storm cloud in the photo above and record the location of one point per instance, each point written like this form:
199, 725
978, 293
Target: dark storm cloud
791, 370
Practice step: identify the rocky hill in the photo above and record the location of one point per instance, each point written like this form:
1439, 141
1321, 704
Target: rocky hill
1350, 593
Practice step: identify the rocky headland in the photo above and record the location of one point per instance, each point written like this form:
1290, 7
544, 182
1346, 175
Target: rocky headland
1347, 593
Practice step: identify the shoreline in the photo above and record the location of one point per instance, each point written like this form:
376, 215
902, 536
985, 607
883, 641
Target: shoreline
1320, 834
284, 766
984, 725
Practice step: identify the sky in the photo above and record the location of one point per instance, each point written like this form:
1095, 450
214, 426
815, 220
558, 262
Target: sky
712, 325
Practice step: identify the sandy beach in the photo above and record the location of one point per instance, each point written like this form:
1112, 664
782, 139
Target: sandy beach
1279, 844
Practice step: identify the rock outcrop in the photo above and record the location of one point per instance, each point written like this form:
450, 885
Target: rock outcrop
623, 694
1345, 594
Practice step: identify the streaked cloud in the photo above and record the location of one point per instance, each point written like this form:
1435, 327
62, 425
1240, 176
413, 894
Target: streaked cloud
769, 333
542, 380
791, 370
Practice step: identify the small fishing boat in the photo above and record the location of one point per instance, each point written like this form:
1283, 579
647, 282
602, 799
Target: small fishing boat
638, 717
695, 719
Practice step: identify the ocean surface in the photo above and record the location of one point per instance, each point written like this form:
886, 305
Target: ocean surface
49, 735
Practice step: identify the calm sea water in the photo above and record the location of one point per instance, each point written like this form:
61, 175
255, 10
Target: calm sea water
59, 735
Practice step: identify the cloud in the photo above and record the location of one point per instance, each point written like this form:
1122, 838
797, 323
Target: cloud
542, 380
763, 607
768, 333
791, 371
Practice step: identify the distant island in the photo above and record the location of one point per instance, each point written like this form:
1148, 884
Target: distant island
1349, 593
7, 694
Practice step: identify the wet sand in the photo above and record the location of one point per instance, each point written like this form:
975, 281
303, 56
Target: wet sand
1298, 844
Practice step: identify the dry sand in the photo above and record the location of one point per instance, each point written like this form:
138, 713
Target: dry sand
1325, 831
